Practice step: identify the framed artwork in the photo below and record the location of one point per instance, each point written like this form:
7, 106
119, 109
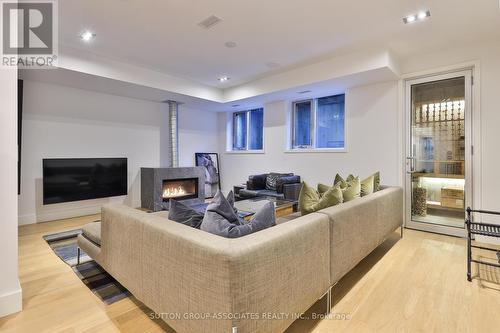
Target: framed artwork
210, 162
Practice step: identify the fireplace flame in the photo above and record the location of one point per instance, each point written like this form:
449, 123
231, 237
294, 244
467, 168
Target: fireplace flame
173, 192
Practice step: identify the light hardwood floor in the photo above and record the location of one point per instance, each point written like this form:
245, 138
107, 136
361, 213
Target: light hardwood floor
414, 284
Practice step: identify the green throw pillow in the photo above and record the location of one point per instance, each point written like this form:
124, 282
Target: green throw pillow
367, 186
308, 196
322, 188
376, 181
310, 201
353, 189
339, 180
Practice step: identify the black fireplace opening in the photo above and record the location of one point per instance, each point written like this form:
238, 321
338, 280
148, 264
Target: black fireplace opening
180, 189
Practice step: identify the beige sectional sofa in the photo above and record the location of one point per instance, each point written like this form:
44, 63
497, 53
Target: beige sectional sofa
199, 282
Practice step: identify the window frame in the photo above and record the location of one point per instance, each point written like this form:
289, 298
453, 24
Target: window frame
293, 148
248, 131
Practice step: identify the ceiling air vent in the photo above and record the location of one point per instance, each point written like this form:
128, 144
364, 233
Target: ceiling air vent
209, 22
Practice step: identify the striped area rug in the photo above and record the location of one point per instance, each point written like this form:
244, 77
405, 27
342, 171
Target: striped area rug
64, 246
103, 285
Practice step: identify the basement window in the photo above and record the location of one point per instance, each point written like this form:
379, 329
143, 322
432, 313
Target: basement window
248, 128
318, 124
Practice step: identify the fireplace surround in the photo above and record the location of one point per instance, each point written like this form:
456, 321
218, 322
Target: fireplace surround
159, 185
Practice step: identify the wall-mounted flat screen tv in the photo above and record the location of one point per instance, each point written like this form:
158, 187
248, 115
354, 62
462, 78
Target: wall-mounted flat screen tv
75, 179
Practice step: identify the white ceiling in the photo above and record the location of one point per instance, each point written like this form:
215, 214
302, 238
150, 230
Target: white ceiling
163, 35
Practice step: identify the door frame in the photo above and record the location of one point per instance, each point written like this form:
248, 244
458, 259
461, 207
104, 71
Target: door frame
468, 73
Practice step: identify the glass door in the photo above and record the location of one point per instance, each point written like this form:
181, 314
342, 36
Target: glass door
438, 159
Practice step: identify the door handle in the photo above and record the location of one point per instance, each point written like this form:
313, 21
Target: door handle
411, 161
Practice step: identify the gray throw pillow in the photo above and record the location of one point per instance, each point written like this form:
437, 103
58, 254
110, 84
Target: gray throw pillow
221, 219
230, 199
184, 214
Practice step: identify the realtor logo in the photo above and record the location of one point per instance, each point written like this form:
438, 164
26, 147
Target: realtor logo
29, 33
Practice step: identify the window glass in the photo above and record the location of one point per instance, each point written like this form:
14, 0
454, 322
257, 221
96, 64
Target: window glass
330, 120
303, 119
256, 129
240, 131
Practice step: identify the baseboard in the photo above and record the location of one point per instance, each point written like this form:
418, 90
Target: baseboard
26, 219
11, 302
58, 214
68, 213
67, 210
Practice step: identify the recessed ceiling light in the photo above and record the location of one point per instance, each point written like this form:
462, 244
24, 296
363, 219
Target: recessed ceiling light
410, 19
223, 79
230, 44
304, 92
87, 36
422, 15
416, 17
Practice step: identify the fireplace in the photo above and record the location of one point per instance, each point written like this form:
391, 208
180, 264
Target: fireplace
179, 189
159, 185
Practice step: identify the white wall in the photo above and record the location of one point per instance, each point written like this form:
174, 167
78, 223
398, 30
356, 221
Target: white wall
10, 290
198, 133
373, 140
65, 122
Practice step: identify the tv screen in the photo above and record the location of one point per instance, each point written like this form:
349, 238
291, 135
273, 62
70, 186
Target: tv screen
75, 179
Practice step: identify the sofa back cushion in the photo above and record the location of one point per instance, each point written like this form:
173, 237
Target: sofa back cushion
257, 182
283, 180
184, 214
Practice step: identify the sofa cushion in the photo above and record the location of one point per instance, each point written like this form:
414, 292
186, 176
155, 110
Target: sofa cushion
307, 197
245, 193
284, 180
184, 214
340, 181
310, 201
322, 188
220, 219
269, 193
92, 231
353, 189
376, 181
368, 186
257, 182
